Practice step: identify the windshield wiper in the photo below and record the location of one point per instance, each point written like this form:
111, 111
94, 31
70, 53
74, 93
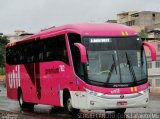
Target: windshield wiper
109, 75
114, 63
131, 68
111, 70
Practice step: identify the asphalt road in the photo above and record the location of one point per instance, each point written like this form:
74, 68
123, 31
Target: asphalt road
9, 109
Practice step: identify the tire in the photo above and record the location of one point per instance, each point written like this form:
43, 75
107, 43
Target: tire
57, 108
120, 111
22, 104
68, 107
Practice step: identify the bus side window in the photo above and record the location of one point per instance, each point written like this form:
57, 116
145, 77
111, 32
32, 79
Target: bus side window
50, 49
55, 49
21, 54
40, 57
63, 50
39, 51
8, 55
30, 53
14, 55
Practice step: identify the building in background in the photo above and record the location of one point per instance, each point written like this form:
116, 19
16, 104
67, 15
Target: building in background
148, 22
154, 68
154, 34
144, 20
18, 35
111, 21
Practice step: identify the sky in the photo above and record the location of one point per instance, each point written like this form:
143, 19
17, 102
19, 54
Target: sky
34, 15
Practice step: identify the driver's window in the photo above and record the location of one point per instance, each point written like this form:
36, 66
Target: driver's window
78, 67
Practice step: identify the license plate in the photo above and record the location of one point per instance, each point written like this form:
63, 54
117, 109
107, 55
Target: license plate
122, 103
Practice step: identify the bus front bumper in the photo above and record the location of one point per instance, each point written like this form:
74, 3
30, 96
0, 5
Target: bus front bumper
128, 101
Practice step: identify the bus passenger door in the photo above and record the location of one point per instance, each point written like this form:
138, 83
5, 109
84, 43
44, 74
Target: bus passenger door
29, 83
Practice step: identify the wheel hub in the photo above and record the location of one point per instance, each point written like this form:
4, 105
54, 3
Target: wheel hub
20, 100
69, 105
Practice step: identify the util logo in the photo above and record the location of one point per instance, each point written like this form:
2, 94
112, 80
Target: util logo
14, 77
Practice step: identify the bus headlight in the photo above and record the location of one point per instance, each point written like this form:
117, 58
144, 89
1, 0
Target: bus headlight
93, 93
142, 92
99, 94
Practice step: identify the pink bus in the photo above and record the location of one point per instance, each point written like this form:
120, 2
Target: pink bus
80, 66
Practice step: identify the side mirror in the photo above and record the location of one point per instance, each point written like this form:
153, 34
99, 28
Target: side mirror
82, 50
152, 50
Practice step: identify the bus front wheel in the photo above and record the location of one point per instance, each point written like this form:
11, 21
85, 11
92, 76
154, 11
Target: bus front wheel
69, 108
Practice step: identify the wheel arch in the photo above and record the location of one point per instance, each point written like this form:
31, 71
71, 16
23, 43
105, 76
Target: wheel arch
66, 94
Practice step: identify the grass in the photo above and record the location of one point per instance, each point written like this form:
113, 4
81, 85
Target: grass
2, 74
2, 77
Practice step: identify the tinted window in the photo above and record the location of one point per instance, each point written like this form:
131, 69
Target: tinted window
78, 66
50, 49
55, 49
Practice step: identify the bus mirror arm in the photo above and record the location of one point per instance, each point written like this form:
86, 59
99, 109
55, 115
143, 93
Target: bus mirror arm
82, 50
152, 50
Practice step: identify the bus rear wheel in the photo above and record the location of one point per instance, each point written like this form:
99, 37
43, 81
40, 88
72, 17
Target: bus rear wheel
22, 104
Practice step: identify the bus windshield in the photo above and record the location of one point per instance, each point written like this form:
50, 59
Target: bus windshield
115, 62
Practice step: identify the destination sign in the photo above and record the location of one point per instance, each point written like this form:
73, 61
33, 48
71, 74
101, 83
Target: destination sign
100, 40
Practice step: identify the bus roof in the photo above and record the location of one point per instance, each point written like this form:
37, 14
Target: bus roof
87, 29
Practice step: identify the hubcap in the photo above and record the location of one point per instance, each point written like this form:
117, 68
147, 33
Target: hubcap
20, 100
69, 104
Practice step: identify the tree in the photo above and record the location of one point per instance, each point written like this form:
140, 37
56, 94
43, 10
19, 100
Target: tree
3, 42
143, 34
